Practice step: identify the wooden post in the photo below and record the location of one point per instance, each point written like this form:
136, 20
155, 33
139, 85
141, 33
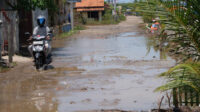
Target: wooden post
100, 16
180, 96
72, 14
115, 12
1, 39
197, 99
191, 97
175, 100
10, 41
186, 97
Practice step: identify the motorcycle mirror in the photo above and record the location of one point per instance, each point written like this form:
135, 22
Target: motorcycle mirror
51, 31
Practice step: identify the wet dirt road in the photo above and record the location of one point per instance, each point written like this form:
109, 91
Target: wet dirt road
103, 67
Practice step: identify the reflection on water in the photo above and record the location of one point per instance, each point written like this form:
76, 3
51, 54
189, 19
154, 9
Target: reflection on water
135, 48
27, 95
119, 73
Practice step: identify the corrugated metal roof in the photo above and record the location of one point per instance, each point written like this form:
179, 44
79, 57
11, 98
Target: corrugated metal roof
90, 3
90, 9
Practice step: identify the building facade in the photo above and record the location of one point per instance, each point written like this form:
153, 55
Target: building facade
91, 9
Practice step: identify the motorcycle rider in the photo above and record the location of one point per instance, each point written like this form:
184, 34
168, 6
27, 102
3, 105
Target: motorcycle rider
42, 30
155, 26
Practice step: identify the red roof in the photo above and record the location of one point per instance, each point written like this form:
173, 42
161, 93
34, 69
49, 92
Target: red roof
90, 3
90, 9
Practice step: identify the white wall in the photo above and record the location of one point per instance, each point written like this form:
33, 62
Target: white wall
38, 12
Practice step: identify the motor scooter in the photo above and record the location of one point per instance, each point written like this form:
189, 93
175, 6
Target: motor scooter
39, 51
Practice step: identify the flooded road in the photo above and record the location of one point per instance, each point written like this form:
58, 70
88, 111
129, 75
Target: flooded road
95, 70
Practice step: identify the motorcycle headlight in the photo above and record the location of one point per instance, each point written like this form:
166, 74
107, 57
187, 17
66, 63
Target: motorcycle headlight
38, 48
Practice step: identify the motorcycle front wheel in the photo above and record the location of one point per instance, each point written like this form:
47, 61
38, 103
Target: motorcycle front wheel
38, 63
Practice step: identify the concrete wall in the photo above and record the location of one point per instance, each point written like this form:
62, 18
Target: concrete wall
10, 29
61, 17
7, 29
61, 23
38, 12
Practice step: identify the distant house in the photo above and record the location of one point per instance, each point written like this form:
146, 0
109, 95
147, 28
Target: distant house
91, 9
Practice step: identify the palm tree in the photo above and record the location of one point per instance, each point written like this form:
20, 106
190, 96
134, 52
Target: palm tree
182, 75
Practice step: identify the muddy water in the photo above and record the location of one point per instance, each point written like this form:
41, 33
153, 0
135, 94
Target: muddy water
116, 72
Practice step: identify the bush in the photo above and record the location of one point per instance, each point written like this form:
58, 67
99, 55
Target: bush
106, 19
70, 33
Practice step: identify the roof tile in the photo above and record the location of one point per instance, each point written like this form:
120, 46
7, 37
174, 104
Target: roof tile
90, 3
90, 9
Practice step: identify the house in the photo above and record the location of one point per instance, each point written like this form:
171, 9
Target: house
91, 9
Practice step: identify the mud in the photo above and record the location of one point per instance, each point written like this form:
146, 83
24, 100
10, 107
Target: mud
102, 69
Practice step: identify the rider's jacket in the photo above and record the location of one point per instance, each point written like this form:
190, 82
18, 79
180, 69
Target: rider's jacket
43, 31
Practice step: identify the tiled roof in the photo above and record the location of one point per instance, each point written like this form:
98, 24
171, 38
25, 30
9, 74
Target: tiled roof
90, 3
90, 9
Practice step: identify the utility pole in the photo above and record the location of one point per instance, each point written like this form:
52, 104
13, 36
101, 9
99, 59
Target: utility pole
1, 39
10, 41
72, 14
115, 12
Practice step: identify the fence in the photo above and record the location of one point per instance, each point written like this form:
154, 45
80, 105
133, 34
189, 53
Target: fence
185, 96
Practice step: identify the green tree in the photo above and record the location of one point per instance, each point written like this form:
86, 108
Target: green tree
32, 4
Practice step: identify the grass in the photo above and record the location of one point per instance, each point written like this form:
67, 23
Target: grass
70, 33
4, 68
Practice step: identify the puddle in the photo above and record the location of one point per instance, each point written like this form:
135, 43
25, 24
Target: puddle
127, 34
90, 74
119, 73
